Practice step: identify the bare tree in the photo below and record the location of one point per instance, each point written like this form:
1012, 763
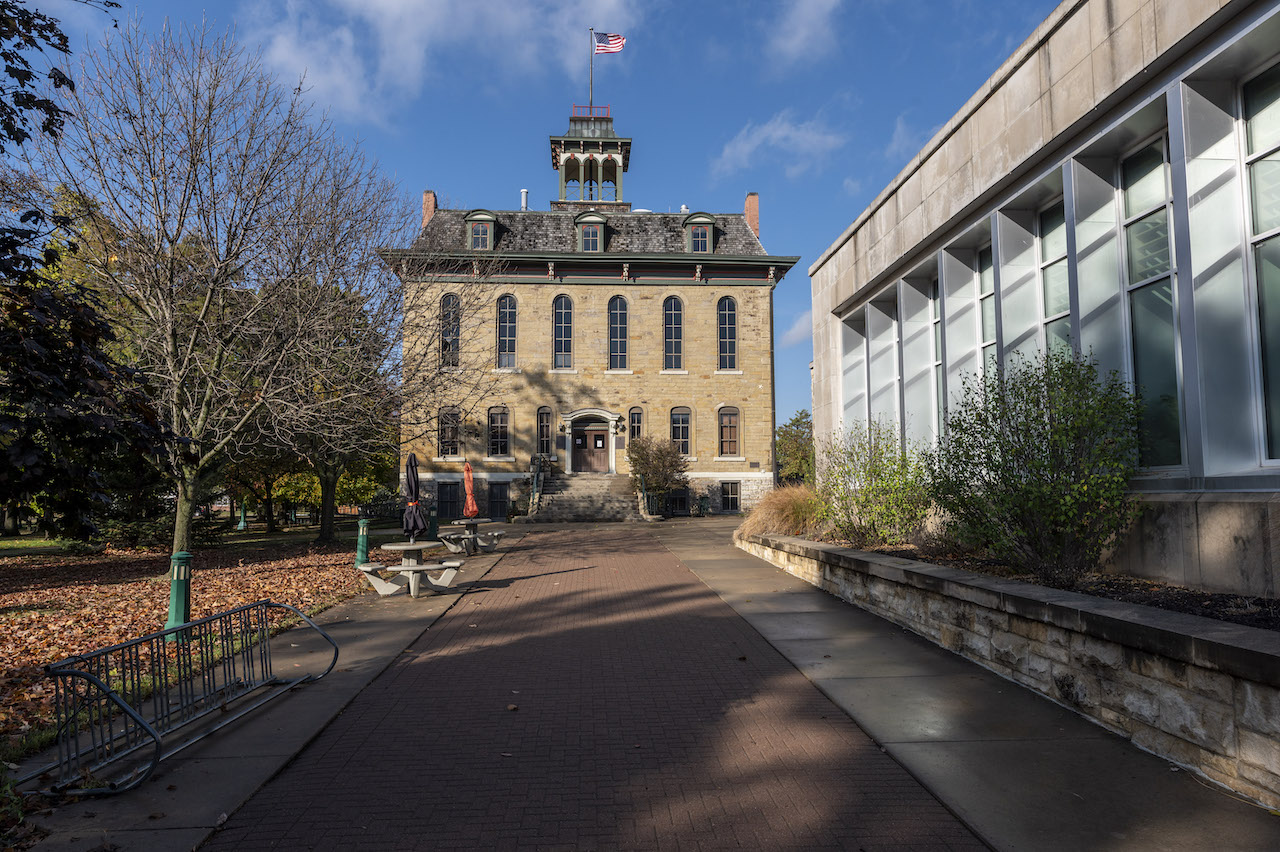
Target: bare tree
230, 234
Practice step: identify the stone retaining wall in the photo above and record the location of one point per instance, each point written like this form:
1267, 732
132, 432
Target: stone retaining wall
1202, 693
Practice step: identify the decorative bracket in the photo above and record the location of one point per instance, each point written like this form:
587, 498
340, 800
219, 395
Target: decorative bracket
697, 272
626, 271
551, 270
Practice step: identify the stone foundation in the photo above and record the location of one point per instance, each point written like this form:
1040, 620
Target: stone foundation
1199, 692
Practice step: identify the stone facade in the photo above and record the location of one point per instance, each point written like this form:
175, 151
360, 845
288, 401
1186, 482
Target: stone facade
1201, 693
1013, 230
712, 265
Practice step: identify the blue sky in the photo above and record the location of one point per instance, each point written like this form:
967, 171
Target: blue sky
814, 104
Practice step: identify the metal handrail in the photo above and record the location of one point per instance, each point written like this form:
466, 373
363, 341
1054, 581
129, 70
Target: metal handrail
535, 486
115, 701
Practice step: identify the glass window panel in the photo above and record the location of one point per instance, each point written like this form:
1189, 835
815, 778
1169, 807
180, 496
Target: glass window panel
989, 364
1156, 373
673, 323
544, 431
563, 310
1148, 244
986, 272
1262, 110
506, 332
727, 314
450, 330
1264, 183
635, 420
680, 429
937, 340
1058, 335
1267, 256
617, 333
1145, 183
1057, 298
989, 319
1053, 232
938, 401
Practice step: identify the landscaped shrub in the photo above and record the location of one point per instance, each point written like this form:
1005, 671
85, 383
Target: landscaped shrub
660, 464
793, 510
873, 491
1034, 467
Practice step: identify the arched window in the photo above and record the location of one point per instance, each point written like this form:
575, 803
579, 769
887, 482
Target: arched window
506, 331
563, 310
544, 431
680, 418
727, 320
450, 423
499, 441
673, 333
635, 423
728, 432
617, 333
450, 329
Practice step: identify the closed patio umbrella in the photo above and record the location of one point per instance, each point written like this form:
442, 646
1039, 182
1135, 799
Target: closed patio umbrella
469, 509
415, 520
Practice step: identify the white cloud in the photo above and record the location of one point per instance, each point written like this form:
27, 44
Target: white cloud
363, 59
803, 30
800, 331
803, 144
905, 141
852, 186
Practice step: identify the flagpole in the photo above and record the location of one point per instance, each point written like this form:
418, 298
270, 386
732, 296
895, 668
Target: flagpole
591, 84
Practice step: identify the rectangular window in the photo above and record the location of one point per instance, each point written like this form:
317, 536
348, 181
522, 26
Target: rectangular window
499, 445
635, 423
591, 238
729, 497
479, 236
673, 334
728, 431
447, 501
680, 430
1262, 136
939, 375
563, 310
450, 427
617, 333
507, 332
499, 500
1055, 290
1149, 265
987, 308
698, 238
727, 322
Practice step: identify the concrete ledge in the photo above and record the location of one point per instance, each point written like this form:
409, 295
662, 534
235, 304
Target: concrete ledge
1202, 693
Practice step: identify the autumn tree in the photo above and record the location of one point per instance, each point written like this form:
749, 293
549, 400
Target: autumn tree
216, 209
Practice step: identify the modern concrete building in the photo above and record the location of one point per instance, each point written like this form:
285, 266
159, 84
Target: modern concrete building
1115, 187
600, 324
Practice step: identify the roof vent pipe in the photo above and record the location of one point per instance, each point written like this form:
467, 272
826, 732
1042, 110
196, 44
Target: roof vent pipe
684, 208
524, 199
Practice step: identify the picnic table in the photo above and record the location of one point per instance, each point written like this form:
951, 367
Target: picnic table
472, 540
412, 572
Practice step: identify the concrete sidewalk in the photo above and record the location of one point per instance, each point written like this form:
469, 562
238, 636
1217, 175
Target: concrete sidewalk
1021, 771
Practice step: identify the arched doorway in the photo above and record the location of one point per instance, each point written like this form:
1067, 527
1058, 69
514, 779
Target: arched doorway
591, 444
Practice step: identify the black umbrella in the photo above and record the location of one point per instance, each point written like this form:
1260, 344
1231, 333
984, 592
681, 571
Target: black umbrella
415, 520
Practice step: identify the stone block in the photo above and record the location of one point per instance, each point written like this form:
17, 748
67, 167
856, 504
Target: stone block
1260, 751
1160, 668
1265, 777
1068, 47
1070, 98
1010, 650
1258, 707
1199, 720
1096, 655
1073, 687
1136, 697
1037, 631
1213, 685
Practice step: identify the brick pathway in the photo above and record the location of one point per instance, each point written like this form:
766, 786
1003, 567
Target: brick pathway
649, 716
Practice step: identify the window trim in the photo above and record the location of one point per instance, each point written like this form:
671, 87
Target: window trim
511, 353
562, 318
619, 360
736, 426
1042, 264
499, 432
635, 422
699, 219
687, 440
541, 426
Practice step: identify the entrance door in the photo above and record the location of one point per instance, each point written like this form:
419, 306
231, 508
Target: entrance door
591, 448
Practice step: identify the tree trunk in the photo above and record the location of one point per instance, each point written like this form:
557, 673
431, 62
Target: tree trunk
185, 510
269, 509
328, 477
11, 514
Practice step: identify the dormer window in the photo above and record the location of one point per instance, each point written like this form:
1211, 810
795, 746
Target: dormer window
699, 233
591, 238
699, 238
481, 227
590, 227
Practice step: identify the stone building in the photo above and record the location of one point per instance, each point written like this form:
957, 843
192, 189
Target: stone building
1114, 187
599, 324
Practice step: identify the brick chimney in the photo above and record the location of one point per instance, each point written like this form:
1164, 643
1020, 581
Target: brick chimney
751, 209
428, 206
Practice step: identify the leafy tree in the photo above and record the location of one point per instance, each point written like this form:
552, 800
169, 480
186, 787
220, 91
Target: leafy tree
220, 218
1035, 462
660, 463
794, 448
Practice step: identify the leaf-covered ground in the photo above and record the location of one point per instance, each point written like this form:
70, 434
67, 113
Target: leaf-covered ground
54, 606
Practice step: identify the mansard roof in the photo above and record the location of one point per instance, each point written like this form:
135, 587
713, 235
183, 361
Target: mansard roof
550, 232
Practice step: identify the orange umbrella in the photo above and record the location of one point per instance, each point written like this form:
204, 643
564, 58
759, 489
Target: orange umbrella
469, 508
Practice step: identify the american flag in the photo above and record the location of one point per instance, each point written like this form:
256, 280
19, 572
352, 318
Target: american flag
609, 42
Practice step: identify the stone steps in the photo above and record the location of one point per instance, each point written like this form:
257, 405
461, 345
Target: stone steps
587, 497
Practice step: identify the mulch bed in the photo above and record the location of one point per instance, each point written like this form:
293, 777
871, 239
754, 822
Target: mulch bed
1263, 613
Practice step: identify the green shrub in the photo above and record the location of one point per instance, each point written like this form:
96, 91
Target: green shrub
792, 510
873, 490
663, 467
1035, 467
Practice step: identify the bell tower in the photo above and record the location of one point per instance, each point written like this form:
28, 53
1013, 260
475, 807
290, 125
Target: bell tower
591, 160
